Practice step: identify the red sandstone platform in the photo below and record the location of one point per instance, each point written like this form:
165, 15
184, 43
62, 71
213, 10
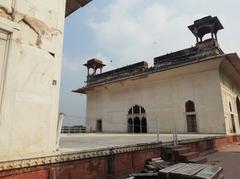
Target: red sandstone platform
115, 162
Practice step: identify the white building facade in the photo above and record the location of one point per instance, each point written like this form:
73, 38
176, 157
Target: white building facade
194, 90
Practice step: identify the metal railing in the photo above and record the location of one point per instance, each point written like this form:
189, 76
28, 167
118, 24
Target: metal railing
73, 129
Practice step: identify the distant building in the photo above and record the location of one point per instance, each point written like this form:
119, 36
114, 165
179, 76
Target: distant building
73, 129
195, 90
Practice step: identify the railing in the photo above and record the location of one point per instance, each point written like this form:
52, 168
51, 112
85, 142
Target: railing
73, 129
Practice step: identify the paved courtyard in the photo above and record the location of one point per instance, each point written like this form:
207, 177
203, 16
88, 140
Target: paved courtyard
80, 142
228, 158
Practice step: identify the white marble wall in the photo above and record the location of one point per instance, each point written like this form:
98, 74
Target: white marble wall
30, 95
163, 95
230, 87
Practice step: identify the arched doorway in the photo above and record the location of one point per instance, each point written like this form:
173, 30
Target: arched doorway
137, 120
191, 116
137, 127
130, 125
144, 125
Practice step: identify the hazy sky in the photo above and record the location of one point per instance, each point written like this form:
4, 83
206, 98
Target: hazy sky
121, 32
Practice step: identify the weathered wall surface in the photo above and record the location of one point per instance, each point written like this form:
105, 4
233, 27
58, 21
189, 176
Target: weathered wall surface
163, 95
30, 75
117, 166
230, 87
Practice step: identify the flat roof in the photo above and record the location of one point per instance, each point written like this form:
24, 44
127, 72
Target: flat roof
90, 141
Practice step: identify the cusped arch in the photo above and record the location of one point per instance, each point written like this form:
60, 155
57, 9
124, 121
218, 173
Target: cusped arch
130, 111
137, 121
136, 109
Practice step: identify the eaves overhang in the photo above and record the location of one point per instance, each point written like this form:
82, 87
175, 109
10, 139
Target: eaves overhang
231, 67
234, 59
73, 5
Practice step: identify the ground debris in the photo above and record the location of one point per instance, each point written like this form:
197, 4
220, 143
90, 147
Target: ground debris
157, 168
151, 169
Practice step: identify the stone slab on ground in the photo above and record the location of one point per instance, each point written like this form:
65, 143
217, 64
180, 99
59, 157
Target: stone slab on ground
191, 171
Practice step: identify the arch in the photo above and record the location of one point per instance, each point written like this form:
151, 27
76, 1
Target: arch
189, 106
136, 124
143, 110
130, 125
206, 37
137, 114
98, 71
91, 71
130, 111
144, 125
136, 109
191, 116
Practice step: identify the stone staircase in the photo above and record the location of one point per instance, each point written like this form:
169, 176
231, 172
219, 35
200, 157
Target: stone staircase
184, 154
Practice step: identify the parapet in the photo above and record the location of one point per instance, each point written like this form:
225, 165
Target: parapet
125, 71
202, 50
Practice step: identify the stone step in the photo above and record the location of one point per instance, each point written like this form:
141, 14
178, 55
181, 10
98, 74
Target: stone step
143, 176
188, 156
159, 159
167, 153
198, 160
181, 150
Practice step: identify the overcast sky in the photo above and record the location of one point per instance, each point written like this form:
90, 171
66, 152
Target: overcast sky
121, 32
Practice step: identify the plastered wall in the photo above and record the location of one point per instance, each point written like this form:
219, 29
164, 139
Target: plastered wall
163, 95
31, 78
